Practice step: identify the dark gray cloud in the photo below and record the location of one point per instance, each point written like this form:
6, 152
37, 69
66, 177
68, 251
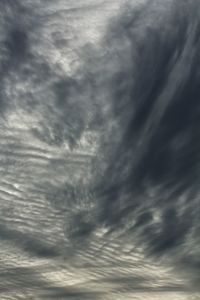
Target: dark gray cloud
27, 243
152, 179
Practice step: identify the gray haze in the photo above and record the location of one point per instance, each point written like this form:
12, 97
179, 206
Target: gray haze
99, 149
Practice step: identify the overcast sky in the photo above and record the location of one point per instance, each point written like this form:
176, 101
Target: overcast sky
99, 149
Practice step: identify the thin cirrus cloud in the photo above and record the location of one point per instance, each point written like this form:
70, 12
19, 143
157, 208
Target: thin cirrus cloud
99, 150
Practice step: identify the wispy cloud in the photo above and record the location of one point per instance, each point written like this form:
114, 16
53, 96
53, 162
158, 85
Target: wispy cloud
99, 153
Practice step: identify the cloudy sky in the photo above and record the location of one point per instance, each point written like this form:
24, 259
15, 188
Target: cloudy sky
99, 149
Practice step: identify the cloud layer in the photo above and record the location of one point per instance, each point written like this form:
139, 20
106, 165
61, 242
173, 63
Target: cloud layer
99, 153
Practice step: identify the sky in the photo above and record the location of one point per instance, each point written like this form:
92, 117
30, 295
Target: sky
99, 149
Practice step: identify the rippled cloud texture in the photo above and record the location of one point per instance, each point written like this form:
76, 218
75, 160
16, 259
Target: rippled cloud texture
99, 156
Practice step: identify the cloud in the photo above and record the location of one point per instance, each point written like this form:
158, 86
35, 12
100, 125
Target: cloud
151, 183
27, 243
123, 199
